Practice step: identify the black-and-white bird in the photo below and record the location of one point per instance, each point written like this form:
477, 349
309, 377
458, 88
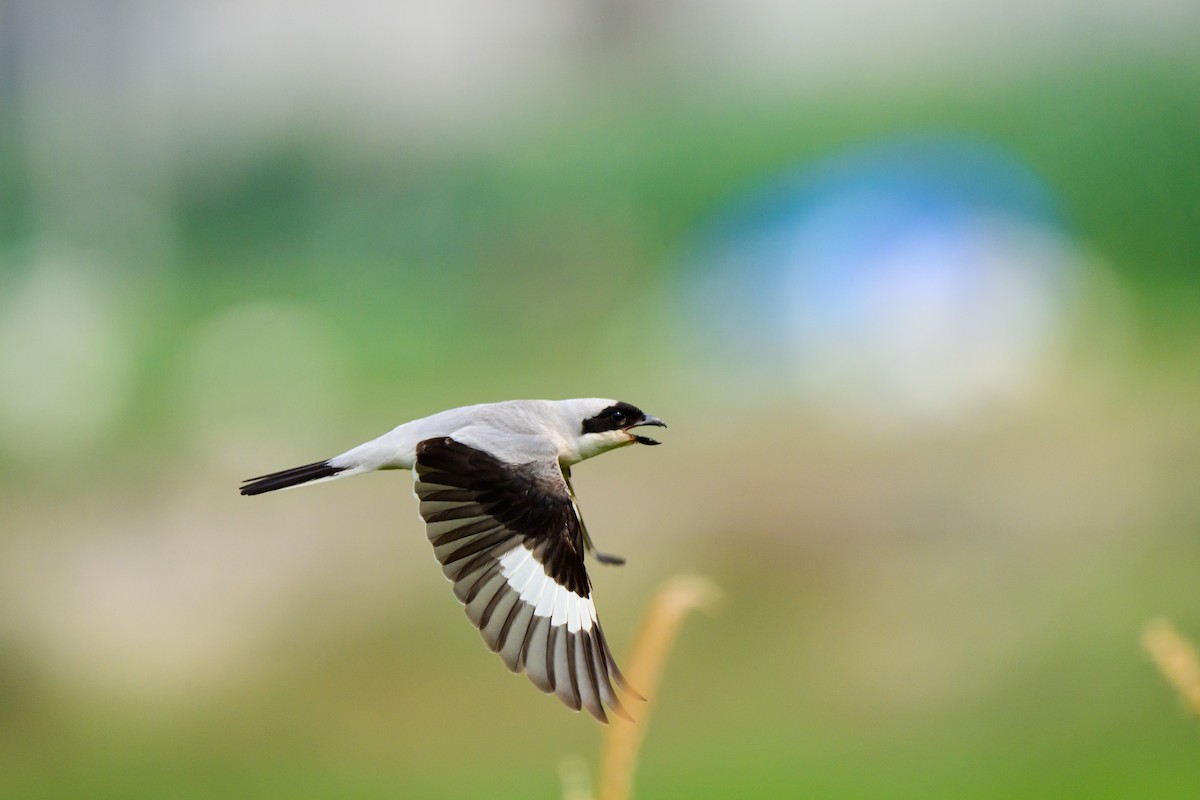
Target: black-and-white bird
494, 486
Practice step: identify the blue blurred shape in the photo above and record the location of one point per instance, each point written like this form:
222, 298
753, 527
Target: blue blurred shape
915, 282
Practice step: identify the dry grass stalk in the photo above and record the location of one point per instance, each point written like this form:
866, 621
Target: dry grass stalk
1176, 659
660, 628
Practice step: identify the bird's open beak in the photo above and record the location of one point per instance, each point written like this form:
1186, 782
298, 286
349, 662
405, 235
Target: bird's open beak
648, 420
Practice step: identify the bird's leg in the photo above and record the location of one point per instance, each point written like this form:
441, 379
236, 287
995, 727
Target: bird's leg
588, 545
603, 558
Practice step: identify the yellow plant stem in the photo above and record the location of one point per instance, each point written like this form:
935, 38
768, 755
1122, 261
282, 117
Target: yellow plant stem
659, 630
1176, 659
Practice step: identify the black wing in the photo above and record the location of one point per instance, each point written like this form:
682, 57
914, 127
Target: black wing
509, 538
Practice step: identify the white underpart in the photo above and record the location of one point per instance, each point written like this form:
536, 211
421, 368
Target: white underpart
515, 432
530, 580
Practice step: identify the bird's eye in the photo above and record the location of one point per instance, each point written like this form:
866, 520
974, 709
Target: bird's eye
617, 415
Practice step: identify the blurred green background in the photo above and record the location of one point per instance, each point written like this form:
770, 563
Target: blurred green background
917, 288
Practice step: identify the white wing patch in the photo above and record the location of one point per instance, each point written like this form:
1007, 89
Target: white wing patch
527, 577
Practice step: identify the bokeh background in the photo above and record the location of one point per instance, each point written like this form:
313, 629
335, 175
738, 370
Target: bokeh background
916, 285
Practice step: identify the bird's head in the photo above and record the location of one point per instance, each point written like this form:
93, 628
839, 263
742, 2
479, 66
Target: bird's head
604, 425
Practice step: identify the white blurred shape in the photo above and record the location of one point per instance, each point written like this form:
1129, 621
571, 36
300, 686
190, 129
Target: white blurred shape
949, 325
65, 358
399, 65
259, 375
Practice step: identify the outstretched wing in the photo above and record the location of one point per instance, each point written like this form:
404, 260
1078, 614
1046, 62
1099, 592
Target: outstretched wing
510, 539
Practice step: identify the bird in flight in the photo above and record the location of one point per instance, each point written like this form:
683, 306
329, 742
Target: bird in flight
493, 483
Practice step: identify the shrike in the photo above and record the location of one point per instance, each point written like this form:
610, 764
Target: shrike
494, 486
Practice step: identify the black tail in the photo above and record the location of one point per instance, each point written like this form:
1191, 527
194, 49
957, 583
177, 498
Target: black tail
289, 477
